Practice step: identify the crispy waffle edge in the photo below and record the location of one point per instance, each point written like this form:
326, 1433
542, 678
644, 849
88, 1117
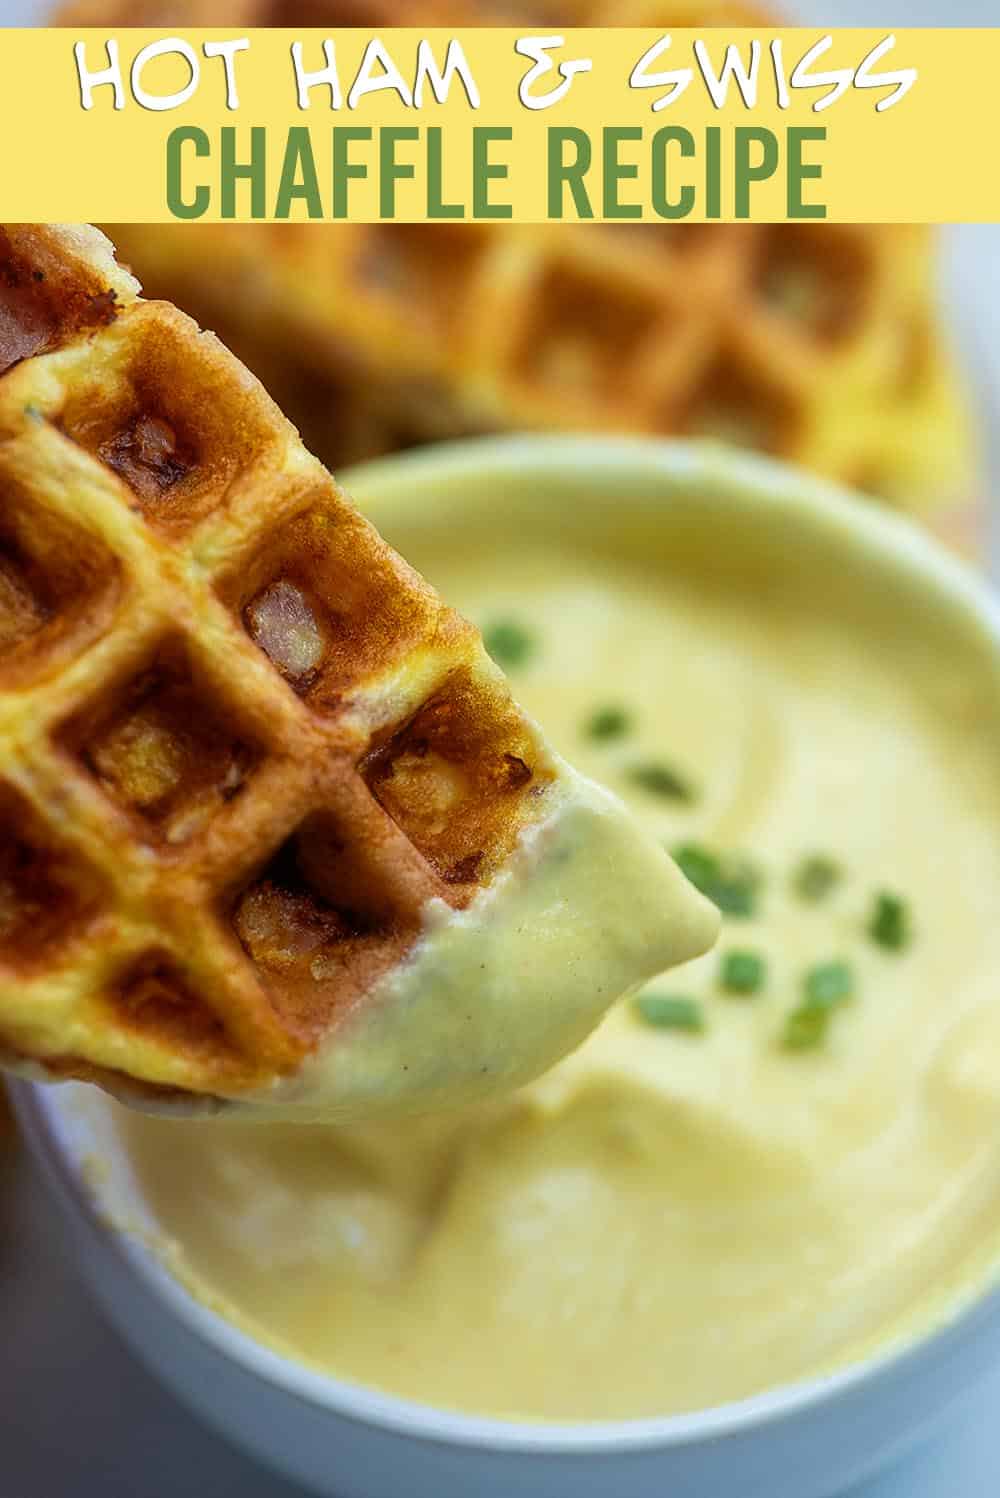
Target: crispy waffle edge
242, 743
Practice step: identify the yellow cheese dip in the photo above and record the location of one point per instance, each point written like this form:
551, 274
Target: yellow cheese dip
669, 1221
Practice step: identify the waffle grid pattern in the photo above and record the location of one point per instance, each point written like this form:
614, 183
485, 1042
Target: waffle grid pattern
817, 343
243, 742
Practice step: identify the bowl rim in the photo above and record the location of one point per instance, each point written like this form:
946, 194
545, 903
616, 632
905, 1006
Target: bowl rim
653, 468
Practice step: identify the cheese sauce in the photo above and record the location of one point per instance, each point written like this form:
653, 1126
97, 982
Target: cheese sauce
667, 1221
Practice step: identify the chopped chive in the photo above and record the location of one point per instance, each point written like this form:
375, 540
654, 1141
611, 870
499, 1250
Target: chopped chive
824, 988
508, 642
667, 1012
805, 1027
815, 877
742, 972
736, 893
889, 925
698, 865
730, 883
661, 780
827, 984
608, 723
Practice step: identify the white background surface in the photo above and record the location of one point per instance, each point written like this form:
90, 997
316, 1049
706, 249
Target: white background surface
79, 1418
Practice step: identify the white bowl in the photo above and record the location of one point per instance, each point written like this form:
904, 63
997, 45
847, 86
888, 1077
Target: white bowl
810, 1440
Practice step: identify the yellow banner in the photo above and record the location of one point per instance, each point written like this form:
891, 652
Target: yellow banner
612, 124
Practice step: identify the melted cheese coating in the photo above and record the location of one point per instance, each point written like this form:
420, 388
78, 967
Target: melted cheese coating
587, 907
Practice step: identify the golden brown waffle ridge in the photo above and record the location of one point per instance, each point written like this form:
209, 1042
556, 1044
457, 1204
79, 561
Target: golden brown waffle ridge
817, 342
242, 743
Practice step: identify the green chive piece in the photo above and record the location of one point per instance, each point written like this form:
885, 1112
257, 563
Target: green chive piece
827, 985
660, 780
667, 1012
824, 988
730, 883
736, 893
805, 1027
508, 642
742, 972
889, 925
608, 723
815, 877
698, 865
